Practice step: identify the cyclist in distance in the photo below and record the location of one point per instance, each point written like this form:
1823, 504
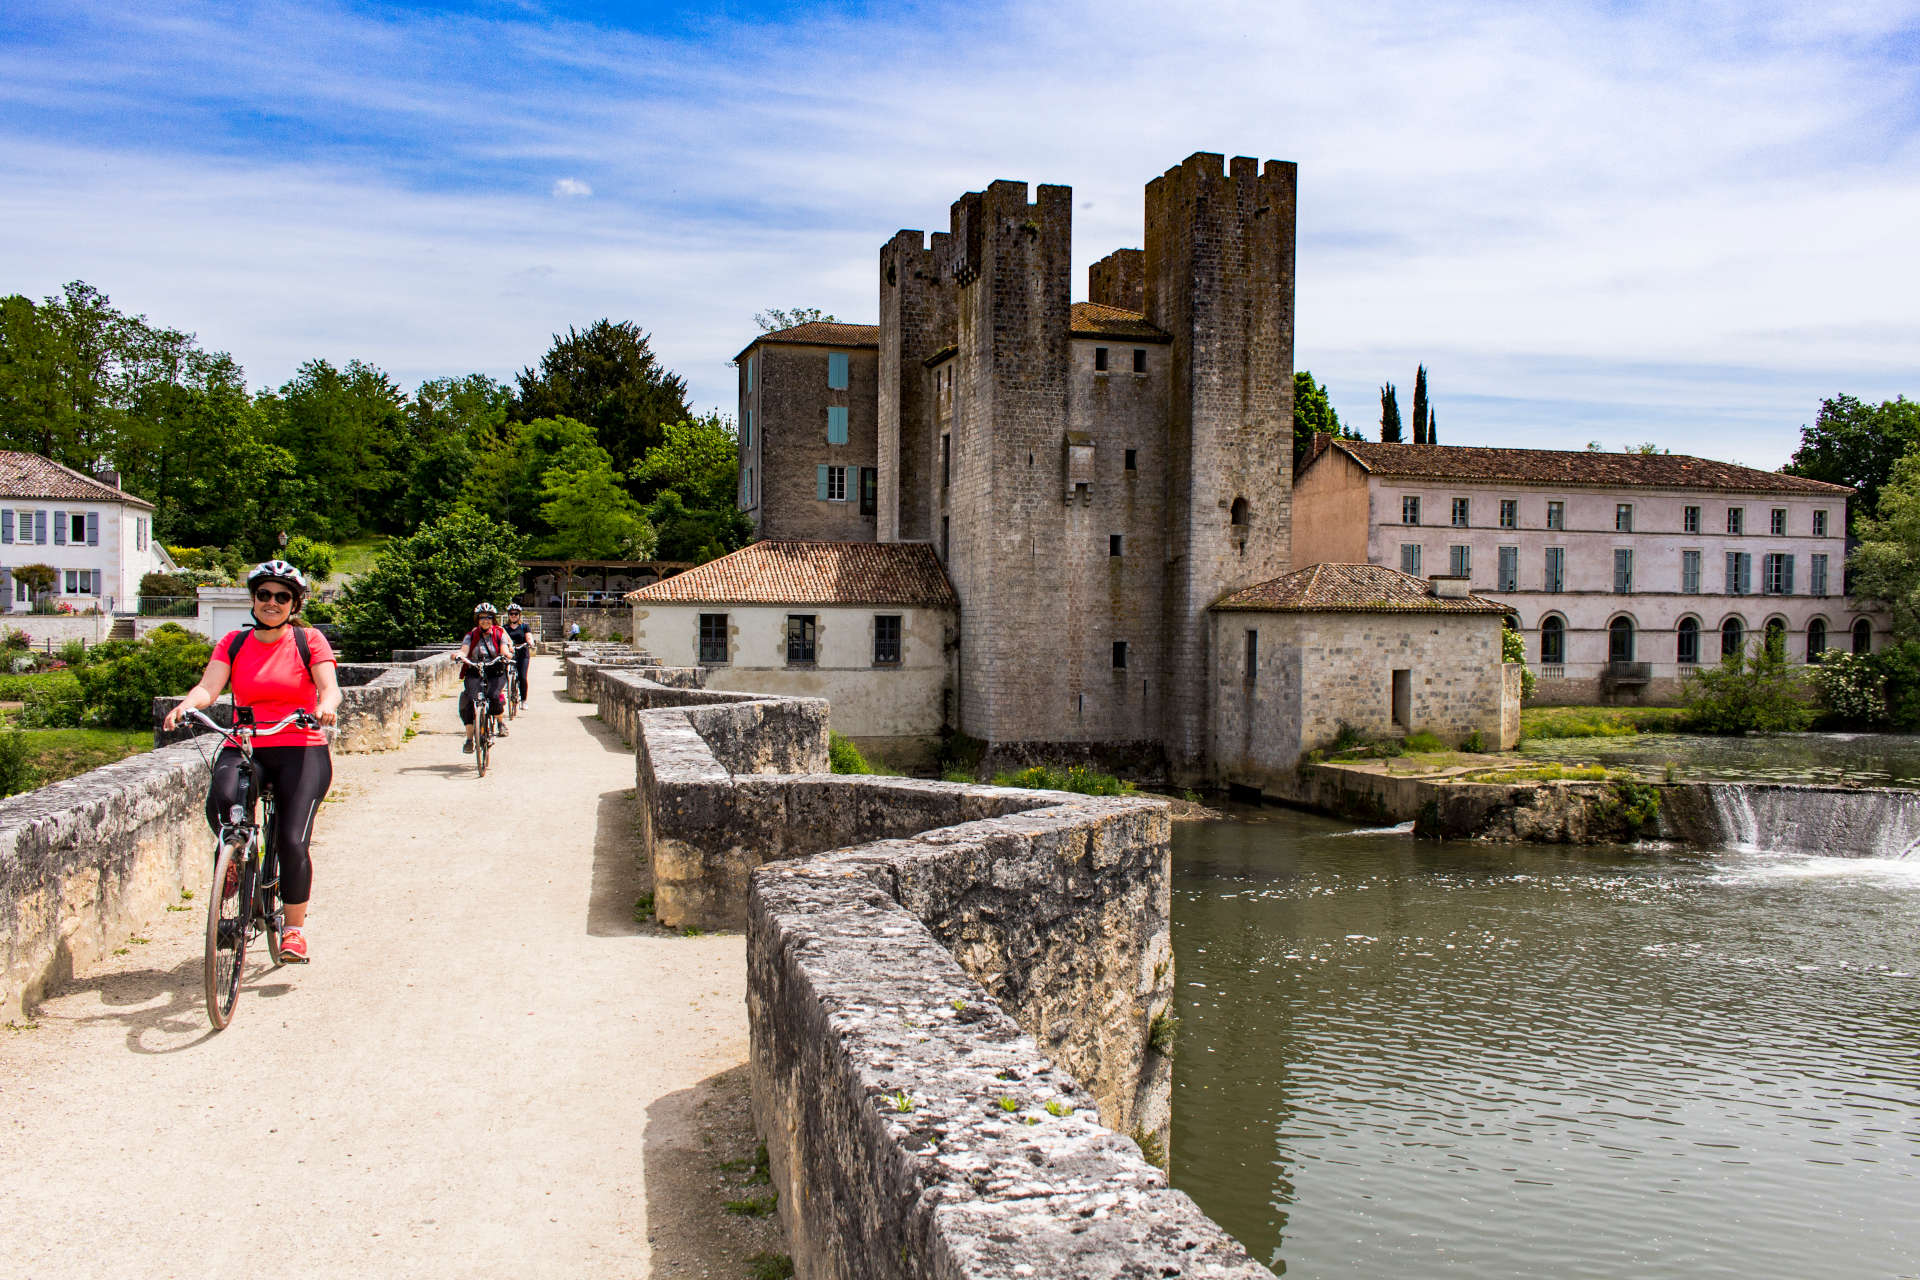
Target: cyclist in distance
276, 667
521, 633
486, 648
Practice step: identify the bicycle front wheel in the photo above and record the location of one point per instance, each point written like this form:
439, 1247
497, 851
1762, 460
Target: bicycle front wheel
227, 911
480, 744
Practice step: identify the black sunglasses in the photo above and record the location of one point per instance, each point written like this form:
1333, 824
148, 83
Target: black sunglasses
265, 596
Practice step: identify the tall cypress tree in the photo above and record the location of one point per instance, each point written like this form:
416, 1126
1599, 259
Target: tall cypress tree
1433, 432
1389, 415
1420, 407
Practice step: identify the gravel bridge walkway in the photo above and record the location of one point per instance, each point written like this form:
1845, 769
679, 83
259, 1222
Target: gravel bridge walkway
488, 1070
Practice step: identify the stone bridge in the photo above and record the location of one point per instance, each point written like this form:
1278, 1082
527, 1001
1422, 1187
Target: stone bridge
492, 1069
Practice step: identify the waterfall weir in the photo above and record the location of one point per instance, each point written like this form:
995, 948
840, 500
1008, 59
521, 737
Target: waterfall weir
1833, 822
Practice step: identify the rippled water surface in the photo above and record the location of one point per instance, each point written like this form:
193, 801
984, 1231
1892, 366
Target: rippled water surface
1404, 1058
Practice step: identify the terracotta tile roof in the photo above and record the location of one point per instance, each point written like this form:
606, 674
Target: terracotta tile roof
777, 572
821, 333
1570, 468
1098, 320
28, 475
1351, 588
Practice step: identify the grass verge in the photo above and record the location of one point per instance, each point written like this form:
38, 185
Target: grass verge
48, 755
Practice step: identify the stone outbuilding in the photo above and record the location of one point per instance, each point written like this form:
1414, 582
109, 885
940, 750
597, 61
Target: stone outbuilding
870, 626
1296, 657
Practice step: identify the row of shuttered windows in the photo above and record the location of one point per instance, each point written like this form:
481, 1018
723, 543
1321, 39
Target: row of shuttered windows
33, 526
1776, 570
1461, 517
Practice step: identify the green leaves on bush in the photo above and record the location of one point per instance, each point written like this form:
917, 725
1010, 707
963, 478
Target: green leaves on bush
844, 757
17, 773
1076, 778
1748, 694
119, 690
422, 589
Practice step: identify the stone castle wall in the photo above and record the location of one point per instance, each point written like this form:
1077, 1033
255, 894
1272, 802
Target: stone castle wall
791, 427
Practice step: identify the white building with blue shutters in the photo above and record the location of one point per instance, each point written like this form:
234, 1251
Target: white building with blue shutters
97, 537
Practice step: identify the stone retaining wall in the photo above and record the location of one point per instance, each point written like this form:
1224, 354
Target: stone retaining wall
376, 702
929, 966
87, 861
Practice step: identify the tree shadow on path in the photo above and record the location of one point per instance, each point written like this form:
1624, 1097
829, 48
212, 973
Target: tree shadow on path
700, 1154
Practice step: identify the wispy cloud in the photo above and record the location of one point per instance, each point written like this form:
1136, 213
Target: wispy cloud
1683, 223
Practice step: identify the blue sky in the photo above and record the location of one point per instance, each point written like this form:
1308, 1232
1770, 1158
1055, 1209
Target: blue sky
1622, 222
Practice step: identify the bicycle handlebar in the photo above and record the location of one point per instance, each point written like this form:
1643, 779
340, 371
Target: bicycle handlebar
304, 719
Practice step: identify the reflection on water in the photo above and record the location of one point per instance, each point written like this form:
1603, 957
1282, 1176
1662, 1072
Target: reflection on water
1861, 759
1413, 1058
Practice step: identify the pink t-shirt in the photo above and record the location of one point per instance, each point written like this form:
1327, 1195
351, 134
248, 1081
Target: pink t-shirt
270, 678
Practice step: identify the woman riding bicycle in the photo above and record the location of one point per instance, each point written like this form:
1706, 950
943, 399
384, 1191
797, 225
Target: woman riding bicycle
485, 649
276, 667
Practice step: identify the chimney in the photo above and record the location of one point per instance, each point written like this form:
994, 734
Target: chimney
1448, 587
108, 478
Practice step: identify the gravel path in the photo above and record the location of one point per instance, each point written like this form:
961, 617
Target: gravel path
471, 1079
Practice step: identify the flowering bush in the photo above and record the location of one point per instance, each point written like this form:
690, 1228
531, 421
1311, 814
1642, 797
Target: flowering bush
1851, 688
64, 607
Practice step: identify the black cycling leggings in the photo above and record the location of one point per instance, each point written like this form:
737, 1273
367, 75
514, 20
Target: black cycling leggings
496, 692
521, 657
299, 778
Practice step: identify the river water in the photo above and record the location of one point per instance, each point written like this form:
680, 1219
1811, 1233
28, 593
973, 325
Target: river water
1404, 1058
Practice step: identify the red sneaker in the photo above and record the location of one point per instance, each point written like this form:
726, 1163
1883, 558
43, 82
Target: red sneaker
293, 945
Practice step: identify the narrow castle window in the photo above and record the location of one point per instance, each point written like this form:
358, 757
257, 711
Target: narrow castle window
1139, 359
1253, 654
1133, 458
1114, 543
1119, 655
1100, 359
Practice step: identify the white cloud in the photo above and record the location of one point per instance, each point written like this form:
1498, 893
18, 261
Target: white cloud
1629, 223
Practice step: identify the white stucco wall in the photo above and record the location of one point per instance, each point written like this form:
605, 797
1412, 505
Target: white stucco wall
1588, 603
869, 702
118, 561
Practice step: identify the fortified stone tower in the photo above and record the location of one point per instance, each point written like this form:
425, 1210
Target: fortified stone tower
1011, 264
916, 320
1219, 278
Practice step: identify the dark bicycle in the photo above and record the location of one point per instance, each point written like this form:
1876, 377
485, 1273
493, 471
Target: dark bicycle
246, 869
486, 724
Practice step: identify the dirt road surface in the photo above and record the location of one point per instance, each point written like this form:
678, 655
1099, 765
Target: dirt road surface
488, 1070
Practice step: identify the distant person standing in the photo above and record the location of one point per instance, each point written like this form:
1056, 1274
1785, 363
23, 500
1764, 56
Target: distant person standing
573, 632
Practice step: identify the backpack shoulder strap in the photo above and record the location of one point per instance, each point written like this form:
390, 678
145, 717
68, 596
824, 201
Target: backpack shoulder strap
306, 650
233, 645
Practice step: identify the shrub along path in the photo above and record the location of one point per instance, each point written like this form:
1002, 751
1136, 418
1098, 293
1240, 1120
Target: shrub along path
489, 1069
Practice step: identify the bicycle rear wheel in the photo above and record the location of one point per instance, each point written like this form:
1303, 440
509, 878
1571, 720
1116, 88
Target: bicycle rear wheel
227, 932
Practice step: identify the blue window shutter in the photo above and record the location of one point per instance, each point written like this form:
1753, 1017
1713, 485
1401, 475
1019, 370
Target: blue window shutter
1786, 585
40, 527
6, 525
837, 425
820, 481
837, 371
59, 528
93, 528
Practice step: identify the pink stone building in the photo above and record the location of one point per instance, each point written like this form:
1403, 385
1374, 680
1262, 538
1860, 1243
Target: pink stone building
1625, 571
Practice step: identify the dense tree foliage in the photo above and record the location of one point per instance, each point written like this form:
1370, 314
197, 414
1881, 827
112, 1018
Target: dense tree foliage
340, 451
1886, 564
1748, 693
607, 377
1857, 444
423, 587
773, 319
1420, 406
1313, 414
1389, 415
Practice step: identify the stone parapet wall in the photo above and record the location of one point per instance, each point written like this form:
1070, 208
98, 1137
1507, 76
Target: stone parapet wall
376, 703
60, 628
87, 861
917, 952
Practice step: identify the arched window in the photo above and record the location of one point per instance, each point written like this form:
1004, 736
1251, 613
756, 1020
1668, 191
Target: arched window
1688, 649
1816, 639
1733, 637
1863, 636
1553, 640
1620, 640
1776, 633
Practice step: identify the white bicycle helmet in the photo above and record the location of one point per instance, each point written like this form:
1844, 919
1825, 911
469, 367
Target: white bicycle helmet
282, 572
484, 607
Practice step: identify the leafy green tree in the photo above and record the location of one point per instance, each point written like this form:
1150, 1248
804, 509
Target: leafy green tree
315, 559
1886, 563
39, 578
345, 429
1748, 693
119, 692
592, 516
422, 588
505, 482
1420, 406
772, 320
1857, 444
688, 481
1389, 415
452, 423
607, 377
1313, 414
